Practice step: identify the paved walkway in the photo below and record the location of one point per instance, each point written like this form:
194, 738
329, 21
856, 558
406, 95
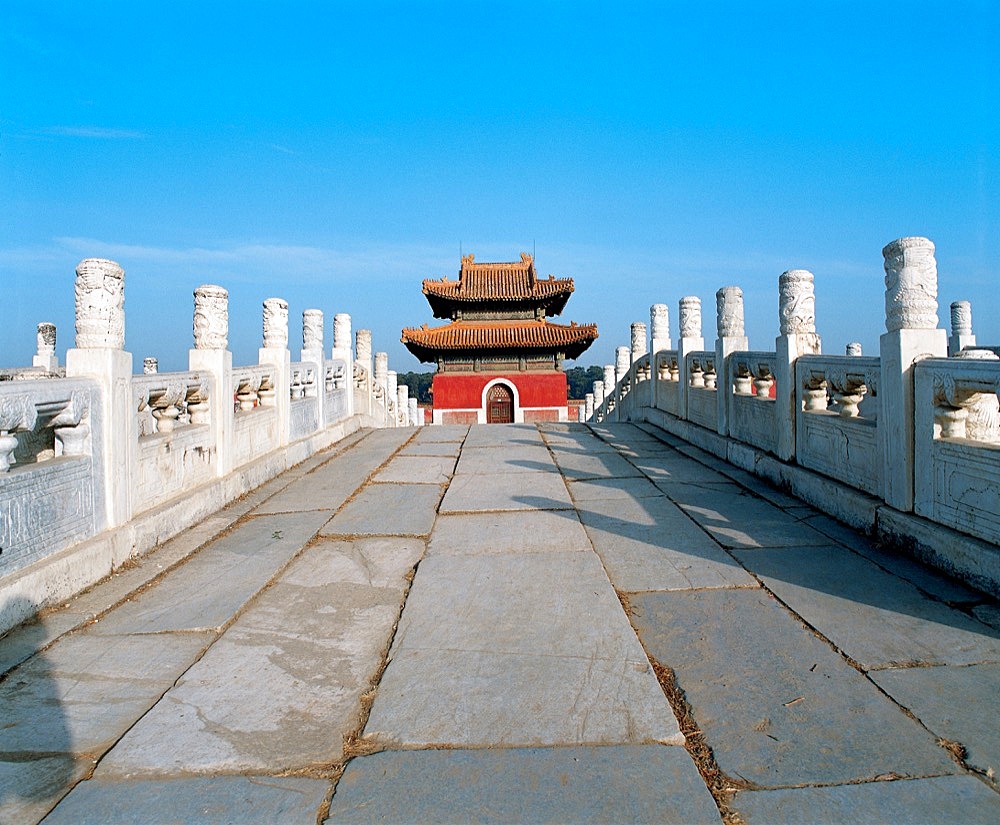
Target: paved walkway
508, 624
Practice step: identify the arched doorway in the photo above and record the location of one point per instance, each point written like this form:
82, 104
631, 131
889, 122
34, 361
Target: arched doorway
499, 405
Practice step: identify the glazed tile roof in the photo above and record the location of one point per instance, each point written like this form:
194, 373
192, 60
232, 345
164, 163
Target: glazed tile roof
427, 342
505, 281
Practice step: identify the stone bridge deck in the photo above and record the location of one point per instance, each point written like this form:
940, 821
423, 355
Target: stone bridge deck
508, 624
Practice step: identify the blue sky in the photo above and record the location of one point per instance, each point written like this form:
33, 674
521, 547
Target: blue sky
335, 154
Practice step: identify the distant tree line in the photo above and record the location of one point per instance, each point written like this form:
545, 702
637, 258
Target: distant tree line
419, 384
580, 379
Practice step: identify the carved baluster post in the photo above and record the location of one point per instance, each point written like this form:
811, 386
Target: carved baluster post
45, 357
391, 398
962, 336
911, 333
211, 356
403, 405
342, 349
659, 332
731, 338
313, 353
379, 388
275, 353
796, 336
416, 419
362, 374
853, 350
623, 386
598, 401
588, 406
691, 340
150, 366
100, 354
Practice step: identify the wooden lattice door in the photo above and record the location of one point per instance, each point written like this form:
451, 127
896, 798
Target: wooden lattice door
499, 405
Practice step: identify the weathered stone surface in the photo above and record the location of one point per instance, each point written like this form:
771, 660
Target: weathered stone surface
215, 800
674, 468
326, 488
30, 787
514, 491
85, 692
444, 433
213, 585
544, 785
601, 489
578, 439
650, 544
517, 458
517, 650
433, 448
777, 705
485, 435
958, 704
738, 519
412, 469
388, 510
537, 531
481, 699
314, 639
577, 465
933, 801
845, 597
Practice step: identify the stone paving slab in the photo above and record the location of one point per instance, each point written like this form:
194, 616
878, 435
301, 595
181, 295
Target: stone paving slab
582, 440
518, 458
512, 491
388, 510
29, 788
846, 597
677, 469
939, 800
926, 578
529, 531
482, 699
312, 641
650, 544
509, 435
85, 692
603, 489
517, 650
207, 591
958, 704
544, 604
576, 465
623, 434
431, 448
416, 469
624, 784
441, 433
215, 800
738, 519
776, 704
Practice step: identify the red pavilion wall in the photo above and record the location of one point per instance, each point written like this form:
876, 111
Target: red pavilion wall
465, 391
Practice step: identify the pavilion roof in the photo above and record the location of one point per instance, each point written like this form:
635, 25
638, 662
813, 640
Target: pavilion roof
512, 282
499, 336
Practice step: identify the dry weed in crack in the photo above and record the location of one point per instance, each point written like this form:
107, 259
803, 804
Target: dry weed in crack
721, 786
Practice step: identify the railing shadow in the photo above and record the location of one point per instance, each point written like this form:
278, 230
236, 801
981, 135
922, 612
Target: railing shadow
37, 763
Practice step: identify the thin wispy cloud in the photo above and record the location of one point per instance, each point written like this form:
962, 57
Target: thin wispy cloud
93, 132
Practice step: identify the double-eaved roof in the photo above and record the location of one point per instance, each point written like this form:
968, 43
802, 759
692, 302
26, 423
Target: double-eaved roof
498, 309
507, 283
505, 336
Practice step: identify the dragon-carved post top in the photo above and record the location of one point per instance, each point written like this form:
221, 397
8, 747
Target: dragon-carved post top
910, 284
100, 304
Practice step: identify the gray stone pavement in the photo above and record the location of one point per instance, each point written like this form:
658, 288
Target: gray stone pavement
552, 623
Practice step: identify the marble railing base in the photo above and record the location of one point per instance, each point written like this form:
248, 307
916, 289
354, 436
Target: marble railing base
968, 559
67, 572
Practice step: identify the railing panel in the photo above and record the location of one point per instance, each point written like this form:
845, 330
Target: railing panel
836, 429
957, 444
702, 394
752, 408
50, 485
